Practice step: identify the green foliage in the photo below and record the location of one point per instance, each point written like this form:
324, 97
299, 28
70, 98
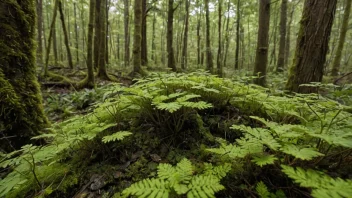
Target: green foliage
180, 180
323, 186
116, 136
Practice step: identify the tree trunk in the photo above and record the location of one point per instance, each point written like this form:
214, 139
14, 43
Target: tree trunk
127, 34
198, 36
237, 34
343, 32
185, 38
107, 28
90, 69
102, 73
312, 44
137, 36
210, 65
261, 59
40, 31
153, 40
69, 56
170, 49
22, 114
219, 58
97, 34
283, 22
76, 32
52, 27
227, 35
144, 34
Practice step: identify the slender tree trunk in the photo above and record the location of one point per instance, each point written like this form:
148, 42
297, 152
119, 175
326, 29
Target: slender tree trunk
76, 33
22, 115
97, 34
288, 37
185, 38
274, 37
219, 58
127, 34
283, 22
69, 56
52, 27
40, 31
137, 41
238, 14
90, 69
261, 59
144, 33
312, 44
343, 32
102, 73
153, 40
170, 49
198, 37
227, 35
210, 65
107, 25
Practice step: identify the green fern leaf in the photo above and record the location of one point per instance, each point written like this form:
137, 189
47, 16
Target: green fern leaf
218, 171
204, 186
262, 190
301, 153
185, 170
323, 185
166, 171
116, 136
170, 107
262, 160
148, 188
197, 105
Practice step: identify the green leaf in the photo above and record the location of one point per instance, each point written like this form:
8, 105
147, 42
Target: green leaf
262, 190
301, 153
116, 136
262, 160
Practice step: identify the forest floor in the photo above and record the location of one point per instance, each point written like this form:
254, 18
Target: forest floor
224, 138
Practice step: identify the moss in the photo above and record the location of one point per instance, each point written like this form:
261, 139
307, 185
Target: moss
24, 115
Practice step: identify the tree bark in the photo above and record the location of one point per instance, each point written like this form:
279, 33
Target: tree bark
227, 35
153, 40
261, 59
185, 38
97, 34
90, 69
69, 56
170, 49
22, 113
210, 64
198, 36
343, 32
52, 27
76, 32
283, 22
102, 73
312, 45
137, 41
237, 34
144, 50
127, 34
40, 31
219, 57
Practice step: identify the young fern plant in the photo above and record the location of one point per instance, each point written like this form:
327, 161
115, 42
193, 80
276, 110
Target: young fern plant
180, 180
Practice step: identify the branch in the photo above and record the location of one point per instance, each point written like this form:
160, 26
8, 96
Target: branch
337, 80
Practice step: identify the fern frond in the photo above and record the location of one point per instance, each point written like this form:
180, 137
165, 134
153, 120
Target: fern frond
323, 185
116, 136
262, 190
203, 186
185, 170
170, 107
197, 105
262, 160
152, 188
218, 171
301, 153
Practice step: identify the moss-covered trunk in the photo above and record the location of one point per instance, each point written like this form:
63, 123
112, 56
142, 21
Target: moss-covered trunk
170, 50
343, 32
312, 44
102, 73
261, 59
283, 22
21, 110
137, 35
68, 50
210, 64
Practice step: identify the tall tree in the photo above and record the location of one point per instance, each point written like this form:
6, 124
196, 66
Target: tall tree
97, 34
68, 50
238, 21
52, 28
261, 59
283, 22
127, 34
185, 37
22, 113
198, 34
210, 64
137, 35
219, 57
144, 50
76, 32
227, 35
342, 39
169, 35
102, 73
312, 44
40, 31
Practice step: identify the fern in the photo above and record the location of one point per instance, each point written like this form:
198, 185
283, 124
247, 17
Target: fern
262, 159
262, 190
322, 185
180, 180
116, 136
301, 153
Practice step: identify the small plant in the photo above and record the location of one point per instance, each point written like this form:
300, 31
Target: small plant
180, 180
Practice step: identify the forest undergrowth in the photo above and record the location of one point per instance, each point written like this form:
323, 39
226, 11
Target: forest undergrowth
194, 135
